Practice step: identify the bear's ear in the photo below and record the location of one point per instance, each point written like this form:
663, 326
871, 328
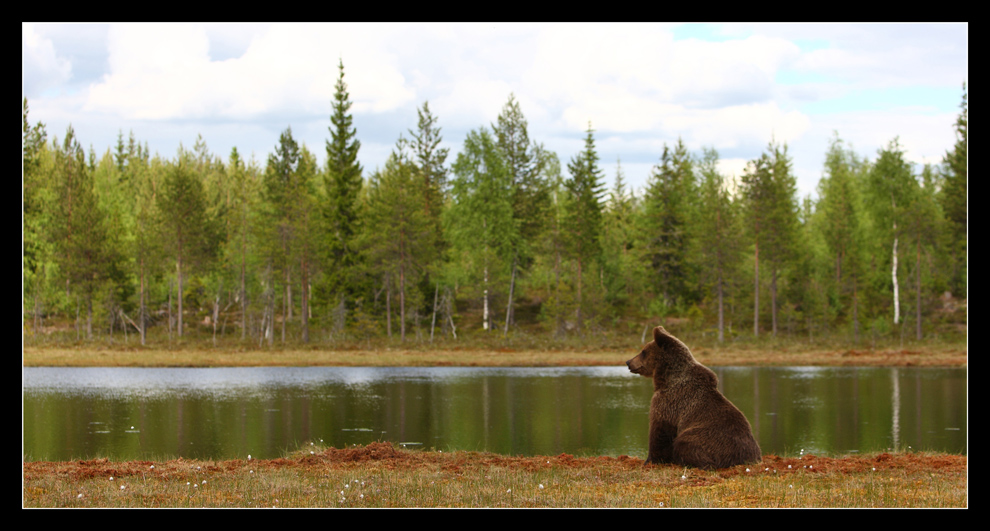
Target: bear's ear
659, 334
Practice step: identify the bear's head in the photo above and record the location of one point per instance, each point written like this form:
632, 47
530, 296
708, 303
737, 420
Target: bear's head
665, 355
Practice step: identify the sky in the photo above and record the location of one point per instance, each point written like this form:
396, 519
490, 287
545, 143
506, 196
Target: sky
640, 86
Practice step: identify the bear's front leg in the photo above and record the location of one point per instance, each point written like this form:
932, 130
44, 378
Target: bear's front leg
661, 444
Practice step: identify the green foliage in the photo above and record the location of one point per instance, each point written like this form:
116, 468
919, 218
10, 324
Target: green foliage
954, 200
187, 231
396, 242
342, 183
668, 211
106, 238
717, 236
480, 221
582, 219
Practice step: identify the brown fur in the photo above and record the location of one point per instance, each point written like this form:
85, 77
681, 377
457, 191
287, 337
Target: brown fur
691, 422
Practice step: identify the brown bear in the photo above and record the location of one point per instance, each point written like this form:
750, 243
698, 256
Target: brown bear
691, 422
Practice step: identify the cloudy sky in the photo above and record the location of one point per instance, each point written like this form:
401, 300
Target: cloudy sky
733, 87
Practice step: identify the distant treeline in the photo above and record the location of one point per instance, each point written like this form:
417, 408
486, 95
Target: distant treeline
502, 237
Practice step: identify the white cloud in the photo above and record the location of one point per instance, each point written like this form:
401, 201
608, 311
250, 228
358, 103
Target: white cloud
43, 68
164, 71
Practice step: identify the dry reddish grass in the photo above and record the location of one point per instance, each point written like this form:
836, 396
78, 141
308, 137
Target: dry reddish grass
408, 478
385, 456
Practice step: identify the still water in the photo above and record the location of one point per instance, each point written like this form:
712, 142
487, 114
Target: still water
222, 413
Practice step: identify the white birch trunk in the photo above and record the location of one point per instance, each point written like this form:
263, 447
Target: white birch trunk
485, 323
893, 273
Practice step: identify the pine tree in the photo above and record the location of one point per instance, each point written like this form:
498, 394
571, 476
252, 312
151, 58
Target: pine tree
307, 235
396, 239
717, 234
186, 232
80, 235
37, 249
281, 193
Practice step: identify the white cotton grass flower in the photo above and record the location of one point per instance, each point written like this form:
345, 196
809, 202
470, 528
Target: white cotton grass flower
122, 487
541, 485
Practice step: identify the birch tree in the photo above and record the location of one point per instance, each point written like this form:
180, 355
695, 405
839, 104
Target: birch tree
480, 219
889, 187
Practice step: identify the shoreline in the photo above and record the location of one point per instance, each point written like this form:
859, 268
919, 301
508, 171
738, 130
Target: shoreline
122, 356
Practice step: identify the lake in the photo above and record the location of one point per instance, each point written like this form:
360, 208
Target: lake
225, 413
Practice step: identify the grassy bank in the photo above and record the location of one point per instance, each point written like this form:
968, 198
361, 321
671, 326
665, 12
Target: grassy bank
379, 475
199, 354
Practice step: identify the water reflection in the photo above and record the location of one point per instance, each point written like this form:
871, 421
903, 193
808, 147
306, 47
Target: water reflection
131, 413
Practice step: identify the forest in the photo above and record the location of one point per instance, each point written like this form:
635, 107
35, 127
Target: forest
504, 239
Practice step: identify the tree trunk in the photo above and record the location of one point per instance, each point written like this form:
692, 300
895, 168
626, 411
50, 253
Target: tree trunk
388, 306
773, 298
244, 305
402, 300
855, 311
285, 303
485, 312
917, 304
756, 291
178, 269
579, 298
433, 324
304, 296
508, 307
142, 317
893, 273
89, 316
721, 314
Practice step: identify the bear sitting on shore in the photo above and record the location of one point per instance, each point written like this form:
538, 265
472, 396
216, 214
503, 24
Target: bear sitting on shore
691, 422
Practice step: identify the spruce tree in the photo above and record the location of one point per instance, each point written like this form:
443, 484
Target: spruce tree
954, 201
583, 221
668, 213
343, 185
529, 191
